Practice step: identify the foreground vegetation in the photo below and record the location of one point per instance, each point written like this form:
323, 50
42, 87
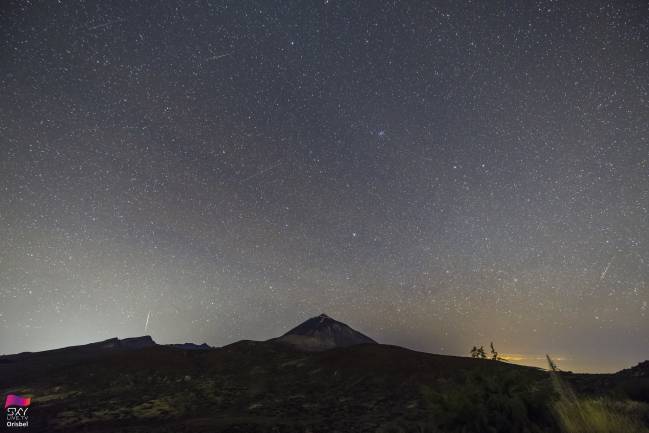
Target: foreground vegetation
261, 387
595, 415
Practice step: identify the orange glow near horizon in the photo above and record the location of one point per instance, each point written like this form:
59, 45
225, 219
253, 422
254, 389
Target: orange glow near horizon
529, 359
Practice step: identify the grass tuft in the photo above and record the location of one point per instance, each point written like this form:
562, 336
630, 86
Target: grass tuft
576, 414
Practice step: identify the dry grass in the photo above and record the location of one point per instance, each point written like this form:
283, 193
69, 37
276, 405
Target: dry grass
594, 415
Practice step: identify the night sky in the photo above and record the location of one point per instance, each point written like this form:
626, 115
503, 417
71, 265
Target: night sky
435, 174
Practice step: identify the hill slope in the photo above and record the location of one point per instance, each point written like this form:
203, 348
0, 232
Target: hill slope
246, 386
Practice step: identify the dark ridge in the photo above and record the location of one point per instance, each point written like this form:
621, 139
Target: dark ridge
191, 346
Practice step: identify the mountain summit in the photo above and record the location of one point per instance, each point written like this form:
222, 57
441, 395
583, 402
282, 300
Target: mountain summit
322, 333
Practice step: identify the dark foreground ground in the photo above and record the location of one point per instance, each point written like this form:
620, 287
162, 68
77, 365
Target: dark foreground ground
269, 387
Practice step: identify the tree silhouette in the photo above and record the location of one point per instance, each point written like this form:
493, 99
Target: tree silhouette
479, 352
494, 354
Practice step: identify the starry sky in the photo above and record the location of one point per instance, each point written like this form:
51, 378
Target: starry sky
437, 174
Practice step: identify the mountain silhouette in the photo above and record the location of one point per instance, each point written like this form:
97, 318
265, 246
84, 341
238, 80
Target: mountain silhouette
323, 333
320, 376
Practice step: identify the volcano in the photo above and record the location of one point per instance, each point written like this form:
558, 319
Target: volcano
322, 333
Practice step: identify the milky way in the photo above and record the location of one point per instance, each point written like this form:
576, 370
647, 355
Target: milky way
435, 174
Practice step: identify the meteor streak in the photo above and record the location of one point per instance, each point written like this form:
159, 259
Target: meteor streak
146, 325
